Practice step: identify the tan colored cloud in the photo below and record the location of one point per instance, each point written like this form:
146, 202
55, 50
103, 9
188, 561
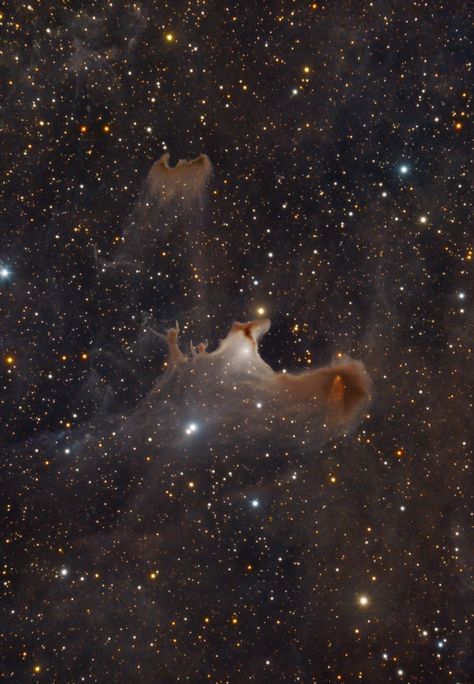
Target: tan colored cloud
185, 182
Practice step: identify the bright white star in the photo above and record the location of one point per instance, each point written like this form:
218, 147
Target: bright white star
192, 427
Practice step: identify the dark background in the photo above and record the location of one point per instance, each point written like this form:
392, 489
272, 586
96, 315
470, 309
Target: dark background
341, 138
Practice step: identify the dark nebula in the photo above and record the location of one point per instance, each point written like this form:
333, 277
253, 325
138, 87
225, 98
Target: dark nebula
187, 498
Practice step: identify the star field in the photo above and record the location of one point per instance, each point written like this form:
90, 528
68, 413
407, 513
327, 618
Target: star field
162, 525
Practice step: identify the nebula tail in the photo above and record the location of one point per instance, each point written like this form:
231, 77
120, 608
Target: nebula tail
339, 391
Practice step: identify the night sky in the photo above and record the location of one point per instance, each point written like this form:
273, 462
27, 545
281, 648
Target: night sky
165, 523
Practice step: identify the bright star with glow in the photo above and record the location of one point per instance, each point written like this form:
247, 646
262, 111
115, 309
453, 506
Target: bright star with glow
4, 272
255, 503
404, 169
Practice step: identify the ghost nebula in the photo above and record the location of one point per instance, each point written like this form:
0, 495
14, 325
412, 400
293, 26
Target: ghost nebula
232, 393
230, 396
185, 182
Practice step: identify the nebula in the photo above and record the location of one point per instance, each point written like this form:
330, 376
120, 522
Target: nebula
170, 203
231, 395
185, 182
